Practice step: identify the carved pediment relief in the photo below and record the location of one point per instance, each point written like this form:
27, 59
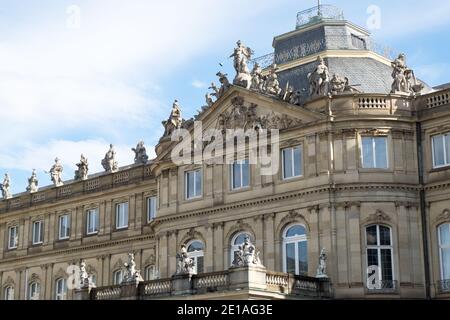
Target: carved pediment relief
9, 282
118, 264
151, 260
34, 278
443, 217
378, 217
60, 274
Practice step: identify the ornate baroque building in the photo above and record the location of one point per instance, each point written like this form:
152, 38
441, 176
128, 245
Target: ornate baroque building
364, 158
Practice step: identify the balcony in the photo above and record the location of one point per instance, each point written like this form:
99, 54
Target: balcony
384, 287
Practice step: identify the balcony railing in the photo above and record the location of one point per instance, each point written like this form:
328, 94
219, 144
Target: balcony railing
384, 287
443, 286
319, 13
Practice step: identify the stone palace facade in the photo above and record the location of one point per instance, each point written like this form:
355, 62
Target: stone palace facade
364, 179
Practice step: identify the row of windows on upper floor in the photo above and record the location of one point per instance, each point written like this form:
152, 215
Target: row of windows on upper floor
378, 246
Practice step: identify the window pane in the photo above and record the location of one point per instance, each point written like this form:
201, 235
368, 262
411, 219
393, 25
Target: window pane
295, 231
445, 255
438, 147
385, 236
371, 236
386, 264
245, 174
367, 152
290, 257
195, 246
381, 153
236, 175
287, 163
372, 257
199, 264
303, 257
198, 183
240, 239
444, 234
447, 148
190, 185
297, 161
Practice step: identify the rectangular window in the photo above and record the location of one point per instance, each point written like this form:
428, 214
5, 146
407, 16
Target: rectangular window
92, 221
122, 215
444, 246
64, 227
13, 237
151, 208
38, 232
193, 184
441, 150
374, 153
292, 162
8, 293
240, 175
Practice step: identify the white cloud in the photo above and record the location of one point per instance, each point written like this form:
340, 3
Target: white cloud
198, 84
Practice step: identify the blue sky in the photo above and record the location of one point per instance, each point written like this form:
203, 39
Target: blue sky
66, 91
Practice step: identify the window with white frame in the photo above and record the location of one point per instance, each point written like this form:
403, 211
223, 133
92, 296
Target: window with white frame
441, 150
292, 159
240, 174
61, 289
8, 293
38, 232
33, 291
92, 218
151, 273
193, 184
64, 227
151, 208
13, 237
237, 241
122, 215
295, 250
374, 152
444, 250
117, 277
380, 272
195, 251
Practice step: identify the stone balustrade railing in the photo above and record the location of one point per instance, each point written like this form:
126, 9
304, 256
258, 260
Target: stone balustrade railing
157, 287
211, 281
106, 293
437, 99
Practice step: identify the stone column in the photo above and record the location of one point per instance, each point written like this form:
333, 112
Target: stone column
49, 228
259, 235
173, 187
106, 270
132, 212
314, 245
102, 218
172, 252
218, 247
325, 234
163, 255
342, 251
269, 242
25, 233
140, 214
78, 226
209, 254
334, 248
108, 217
354, 233
47, 285
351, 151
404, 243
100, 264
19, 292
4, 241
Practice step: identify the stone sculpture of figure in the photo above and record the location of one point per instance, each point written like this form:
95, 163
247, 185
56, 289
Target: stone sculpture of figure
295, 97
257, 78
185, 265
33, 183
272, 84
109, 163
241, 55
5, 187
209, 101
83, 168
175, 120
140, 153
319, 80
56, 173
131, 273
84, 276
404, 78
247, 255
215, 90
322, 267
225, 84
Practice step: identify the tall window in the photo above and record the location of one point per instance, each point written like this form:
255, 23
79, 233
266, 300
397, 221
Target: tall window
374, 153
117, 277
444, 250
441, 150
33, 291
193, 184
237, 241
295, 250
240, 174
92, 221
8, 293
151, 273
151, 208
379, 257
13, 237
61, 289
38, 232
292, 162
122, 215
195, 251
64, 227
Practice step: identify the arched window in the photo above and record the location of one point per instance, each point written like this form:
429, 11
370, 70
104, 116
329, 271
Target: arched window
61, 289
117, 277
8, 293
151, 273
236, 241
295, 250
380, 273
444, 250
195, 250
33, 291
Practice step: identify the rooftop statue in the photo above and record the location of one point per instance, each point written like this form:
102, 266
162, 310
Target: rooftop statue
215, 90
33, 183
109, 163
225, 84
272, 85
175, 120
5, 187
340, 85
83, 168
140, 153
209, 101
185, 265
322, 267
131, 273
257, 78
56, 173
319, 80
405, 81
247, 255
241, 56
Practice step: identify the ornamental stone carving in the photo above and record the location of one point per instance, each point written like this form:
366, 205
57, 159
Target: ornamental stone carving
258, 80
272, 85
185, 265
56, 173
241, 56
33, 182
247, 255
109, 162
208, 100
280, 122
175, 120
319, 80
5, 187
378, 216
322, 267
140, 153
83, 169
444, 216
340, 85
131, 273
224, 84
405, 81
